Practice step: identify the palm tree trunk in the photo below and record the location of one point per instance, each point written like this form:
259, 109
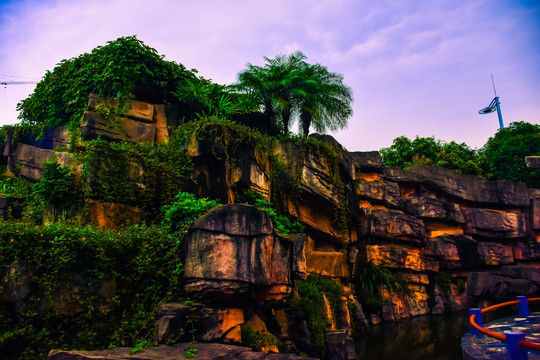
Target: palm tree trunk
305, 118
286, 119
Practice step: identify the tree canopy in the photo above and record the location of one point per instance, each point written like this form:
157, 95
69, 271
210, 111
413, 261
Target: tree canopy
503, 155
288, 88
501, 158
428, 151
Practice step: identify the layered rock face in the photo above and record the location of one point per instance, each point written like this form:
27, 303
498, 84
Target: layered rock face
447, 234
456, 240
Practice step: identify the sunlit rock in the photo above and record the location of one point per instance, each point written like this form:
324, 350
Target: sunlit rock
393, 225
496, 224
241, 255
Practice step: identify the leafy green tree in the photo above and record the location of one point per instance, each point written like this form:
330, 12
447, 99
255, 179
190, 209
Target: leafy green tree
428, 151
287, 87
112, 71
504, 154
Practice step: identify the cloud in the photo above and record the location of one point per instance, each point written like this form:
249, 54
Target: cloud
415, 67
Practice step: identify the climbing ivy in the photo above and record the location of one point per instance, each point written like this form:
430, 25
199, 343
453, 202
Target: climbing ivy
112, 71
144, 175
282, 224
77, 287
330, 153
372, 278
310, 299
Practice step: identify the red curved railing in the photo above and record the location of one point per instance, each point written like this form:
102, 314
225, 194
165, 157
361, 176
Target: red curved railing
499, 336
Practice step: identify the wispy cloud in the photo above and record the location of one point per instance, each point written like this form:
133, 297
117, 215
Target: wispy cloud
415, 67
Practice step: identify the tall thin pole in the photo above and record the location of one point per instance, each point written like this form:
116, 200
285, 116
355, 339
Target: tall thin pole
498, 104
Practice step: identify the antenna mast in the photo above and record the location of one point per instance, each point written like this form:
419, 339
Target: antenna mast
494, 105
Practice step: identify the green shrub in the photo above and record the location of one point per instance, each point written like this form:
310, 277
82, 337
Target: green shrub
185, 209
57, 188
310, 299
282, 224
139, 265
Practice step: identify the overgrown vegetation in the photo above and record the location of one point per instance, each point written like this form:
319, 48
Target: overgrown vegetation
501, 158
282, 224
185, 209
445, 281
148, 176
503, 155
112, 71
372, 278
428, 151
311, 294
258, 340
57, 190
82, 287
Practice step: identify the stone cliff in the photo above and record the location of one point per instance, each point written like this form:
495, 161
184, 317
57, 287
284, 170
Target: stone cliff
456, 240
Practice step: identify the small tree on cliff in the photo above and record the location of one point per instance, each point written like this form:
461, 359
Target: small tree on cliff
503, 156
429, 151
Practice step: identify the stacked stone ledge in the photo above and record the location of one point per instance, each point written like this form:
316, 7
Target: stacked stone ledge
419, 223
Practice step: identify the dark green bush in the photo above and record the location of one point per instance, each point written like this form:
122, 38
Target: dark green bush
310, 299
429, 151
185, 209
141, 266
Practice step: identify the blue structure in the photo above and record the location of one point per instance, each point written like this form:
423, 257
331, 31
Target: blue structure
494, 105
487, 342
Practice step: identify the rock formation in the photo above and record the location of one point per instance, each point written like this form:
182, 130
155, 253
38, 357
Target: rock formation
457, 240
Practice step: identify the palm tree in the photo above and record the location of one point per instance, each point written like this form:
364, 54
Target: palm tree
288, 70
261, 84
287, 86
324, 101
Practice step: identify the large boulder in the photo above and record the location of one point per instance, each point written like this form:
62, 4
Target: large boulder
339, 345
400, 258
32, 159
94, 125
461, 186
454, 251
377, 190
495, 224
188, 322
499, 288
526, 251
393, 225
218, 179
529, 272
232, 253
428, 205
493, 253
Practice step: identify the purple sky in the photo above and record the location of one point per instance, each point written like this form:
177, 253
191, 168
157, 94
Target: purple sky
417, 67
